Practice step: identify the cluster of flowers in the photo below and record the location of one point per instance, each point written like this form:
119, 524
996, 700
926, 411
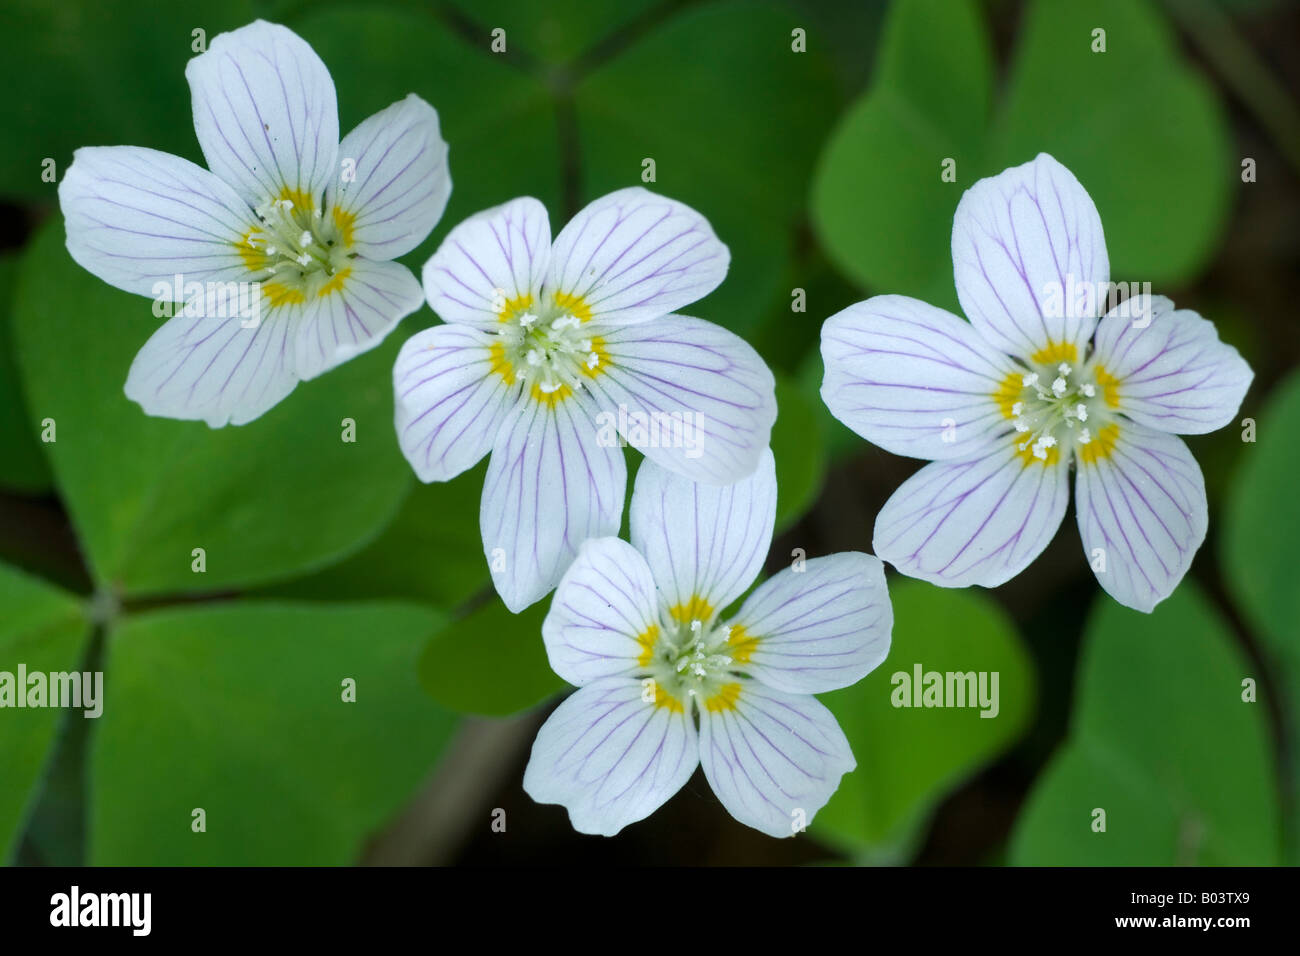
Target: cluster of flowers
542, 337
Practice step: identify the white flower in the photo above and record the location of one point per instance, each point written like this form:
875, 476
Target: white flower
664, 684
553, 352
1034, 383
305, 223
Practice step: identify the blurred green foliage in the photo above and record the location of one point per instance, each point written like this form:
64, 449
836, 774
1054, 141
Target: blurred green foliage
22, 466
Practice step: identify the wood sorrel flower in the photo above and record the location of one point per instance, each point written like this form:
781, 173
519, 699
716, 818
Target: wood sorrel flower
294, 226
1034, 384
554, 354
665, 684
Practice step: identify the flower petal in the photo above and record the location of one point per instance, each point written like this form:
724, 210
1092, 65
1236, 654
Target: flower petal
137, 217
913, 379
977, 521
392, 184
818, 628
773, 758
604, 617
216, 370
551, 485
450, 403
368, 302
688, 394
1172, 373
491, 265
1023, 243
633, 256
265, 113
704, 543
1142, 513
610, 758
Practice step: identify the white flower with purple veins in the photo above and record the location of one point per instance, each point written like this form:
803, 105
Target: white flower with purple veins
1004, 405
665, 684
294, 226
554, 353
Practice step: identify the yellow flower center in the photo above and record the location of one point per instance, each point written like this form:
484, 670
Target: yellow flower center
295, 251
546, 346
1059, 406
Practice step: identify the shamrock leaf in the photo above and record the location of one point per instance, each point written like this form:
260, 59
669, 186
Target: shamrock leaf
909, 756
680, 99
891, 175
1167, 761
490, 661
1260, 554
42, 631
95, 86
297, 730
145, 493
555, 32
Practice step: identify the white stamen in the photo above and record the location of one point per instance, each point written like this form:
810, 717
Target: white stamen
1059, 387
1063, 369
1082, 412
1089, 390
1030, 380
1085, 436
